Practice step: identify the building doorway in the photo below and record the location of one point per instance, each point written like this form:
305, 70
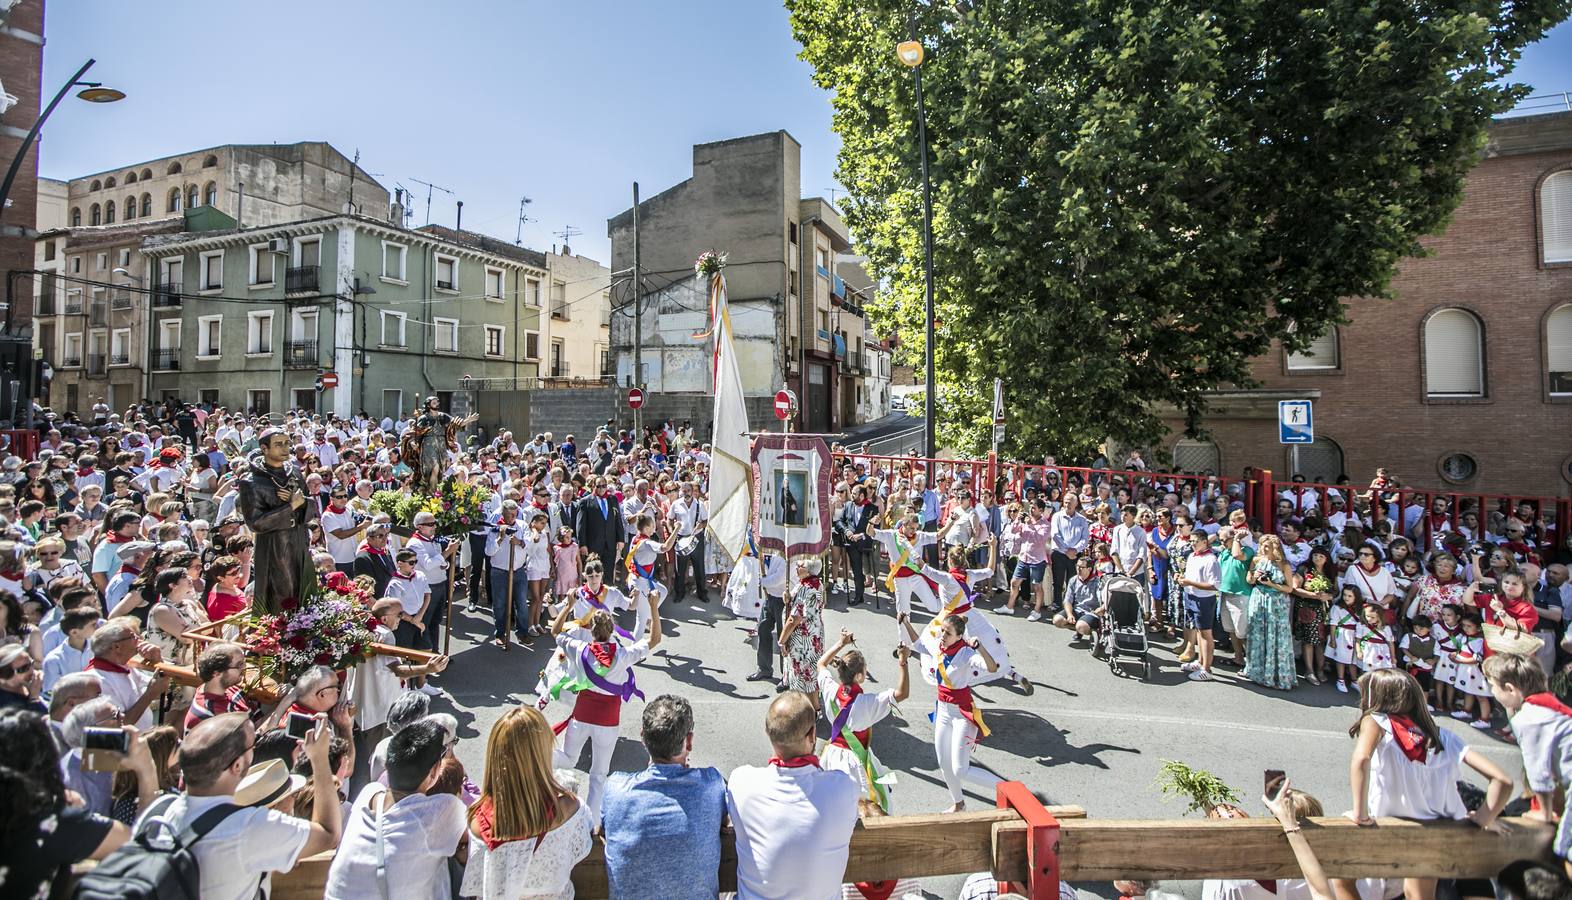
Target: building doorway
816, 413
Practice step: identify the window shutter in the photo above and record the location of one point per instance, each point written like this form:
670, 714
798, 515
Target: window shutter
1453, 355
1558, 345
1555, 212
1321, 354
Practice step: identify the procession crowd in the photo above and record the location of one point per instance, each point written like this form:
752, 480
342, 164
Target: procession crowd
124, 534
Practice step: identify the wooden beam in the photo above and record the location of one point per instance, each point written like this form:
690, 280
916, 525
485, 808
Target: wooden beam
1104, 849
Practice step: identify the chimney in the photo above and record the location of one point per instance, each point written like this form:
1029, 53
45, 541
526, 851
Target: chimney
566, 251
396, 210
459, 225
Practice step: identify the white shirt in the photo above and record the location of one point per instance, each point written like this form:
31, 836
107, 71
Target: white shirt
1203, 568
610, 597
409, 592
1428, 790
125, 690
1545, 737
1372, 585
341, 549
373, 687
1129, 545
624, 659
419, 833
774, 575
497, 546
429, 559
325, 452
793, 830
244, 848
688, 513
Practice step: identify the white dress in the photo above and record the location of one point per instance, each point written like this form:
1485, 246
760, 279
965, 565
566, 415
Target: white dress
1415, 790
745, 589
977, 625
866, 710
1448, 642
1341, 635
1469, 676
523, 870
1375, 647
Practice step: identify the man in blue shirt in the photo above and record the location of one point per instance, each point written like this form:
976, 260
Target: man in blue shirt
662, 825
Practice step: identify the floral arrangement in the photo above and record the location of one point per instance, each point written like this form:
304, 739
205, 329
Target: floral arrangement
1317, 584
1204, 790
332, 627
458, 505
709, 263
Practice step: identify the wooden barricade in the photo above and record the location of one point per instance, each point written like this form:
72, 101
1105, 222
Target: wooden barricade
1100, 850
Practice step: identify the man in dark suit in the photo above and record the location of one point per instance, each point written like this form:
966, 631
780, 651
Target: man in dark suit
374, 559
855, 519
597, 523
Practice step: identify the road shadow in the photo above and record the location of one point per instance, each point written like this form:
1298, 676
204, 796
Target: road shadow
692, 672
1030, 736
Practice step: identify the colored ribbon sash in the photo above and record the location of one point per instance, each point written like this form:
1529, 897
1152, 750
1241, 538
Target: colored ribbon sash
960, 698
595, 601
595, 676
902, 567
857, 743
636, 571
962, 604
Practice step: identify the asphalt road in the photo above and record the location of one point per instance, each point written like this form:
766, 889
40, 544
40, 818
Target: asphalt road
1086, 736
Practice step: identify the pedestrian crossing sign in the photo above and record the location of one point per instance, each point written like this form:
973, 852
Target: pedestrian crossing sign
1294, 422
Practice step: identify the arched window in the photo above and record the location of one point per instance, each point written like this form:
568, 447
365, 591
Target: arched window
109, 182
210, 194
147, 174
174, 200
1555, 216
147, 205
109, 213
1558, 350
1454, 355
95, 216
210, 162
130, 207
76, 216
174, 168
1200, 457
1321, 459
130, 178
96, 185
193, 199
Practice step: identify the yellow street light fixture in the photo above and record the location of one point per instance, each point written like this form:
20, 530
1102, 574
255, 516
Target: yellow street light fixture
910, 53
100, 94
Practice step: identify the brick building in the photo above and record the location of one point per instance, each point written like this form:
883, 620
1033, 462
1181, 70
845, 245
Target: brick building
21, 70
1464, 378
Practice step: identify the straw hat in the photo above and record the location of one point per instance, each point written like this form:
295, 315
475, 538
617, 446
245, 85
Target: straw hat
266, 783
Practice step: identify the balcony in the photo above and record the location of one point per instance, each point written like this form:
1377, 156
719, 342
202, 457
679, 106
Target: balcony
44, 304
98, 313
301, 354
166, 296
167, 360
73, 305
121, 300
301, 279
559, 370
71, 362
559, 311
96, 364
120, 359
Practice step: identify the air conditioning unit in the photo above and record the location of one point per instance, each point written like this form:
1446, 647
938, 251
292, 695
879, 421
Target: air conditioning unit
278, 245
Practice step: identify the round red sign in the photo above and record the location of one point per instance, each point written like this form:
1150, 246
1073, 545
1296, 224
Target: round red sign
782, 404
635, 398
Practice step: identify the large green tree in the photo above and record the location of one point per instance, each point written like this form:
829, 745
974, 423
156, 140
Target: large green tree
1133, 198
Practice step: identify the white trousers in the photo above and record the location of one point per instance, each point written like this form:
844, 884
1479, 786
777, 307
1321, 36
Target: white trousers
953, 737
641, 606
905, 589
603, 740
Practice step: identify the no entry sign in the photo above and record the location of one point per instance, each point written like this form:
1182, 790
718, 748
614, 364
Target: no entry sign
635, 398
329, 379
782, 404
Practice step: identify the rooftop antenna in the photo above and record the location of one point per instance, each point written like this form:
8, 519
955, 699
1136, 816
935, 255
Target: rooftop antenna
518, 235
567, 233
835, 190
429, 188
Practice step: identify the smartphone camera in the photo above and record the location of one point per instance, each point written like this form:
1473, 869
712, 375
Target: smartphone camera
300, 725
1274, 783
104, 748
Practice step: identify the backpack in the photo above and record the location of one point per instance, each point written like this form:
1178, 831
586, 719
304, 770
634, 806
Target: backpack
143, 870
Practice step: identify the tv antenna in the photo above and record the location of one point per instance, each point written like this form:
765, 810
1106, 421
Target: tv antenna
429, 188
518, 234
567, 233
835, 190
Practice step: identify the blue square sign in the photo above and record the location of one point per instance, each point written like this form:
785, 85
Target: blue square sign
1294, 423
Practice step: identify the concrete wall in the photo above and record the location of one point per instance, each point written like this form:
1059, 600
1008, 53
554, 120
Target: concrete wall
674, 361
584, 332
581, 411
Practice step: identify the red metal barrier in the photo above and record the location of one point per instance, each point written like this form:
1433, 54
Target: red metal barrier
24, 442
1042, 842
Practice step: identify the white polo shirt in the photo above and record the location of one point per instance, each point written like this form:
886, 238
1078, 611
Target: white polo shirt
246, 847
793, 830
409, 592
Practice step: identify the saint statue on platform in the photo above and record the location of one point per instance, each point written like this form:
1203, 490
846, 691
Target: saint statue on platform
272, 499
426, 444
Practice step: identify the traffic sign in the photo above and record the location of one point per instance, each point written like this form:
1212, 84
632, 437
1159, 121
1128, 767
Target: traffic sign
635, 398
329, 379
1295, 425
319, 384
783, 402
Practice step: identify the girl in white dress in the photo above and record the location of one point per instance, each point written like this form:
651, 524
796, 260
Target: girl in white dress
1374, 641
952, 664
1341, 635
642, 554
1470, 677
957, 594
852, 713
904, 547
1404, 765
537, 567
1449, 640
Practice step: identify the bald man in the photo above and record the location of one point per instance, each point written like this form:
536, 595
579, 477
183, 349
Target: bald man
793, 819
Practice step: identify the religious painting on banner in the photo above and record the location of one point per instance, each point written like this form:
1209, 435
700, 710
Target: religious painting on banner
791, 487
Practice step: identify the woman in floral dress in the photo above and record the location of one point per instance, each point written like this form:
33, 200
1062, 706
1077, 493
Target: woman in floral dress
1432, 591
802, 634
1269, 648
1178, 554
1313, 610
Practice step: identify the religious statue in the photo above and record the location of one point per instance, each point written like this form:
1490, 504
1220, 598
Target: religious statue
426, 443
272, 498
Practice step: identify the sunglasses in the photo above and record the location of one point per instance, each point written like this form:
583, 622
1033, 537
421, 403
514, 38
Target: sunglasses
23, 669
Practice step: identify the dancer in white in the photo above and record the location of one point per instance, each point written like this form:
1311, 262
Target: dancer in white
596, 594
957, 595
600, 673
953, 664
642, 553
904, 546
852, 713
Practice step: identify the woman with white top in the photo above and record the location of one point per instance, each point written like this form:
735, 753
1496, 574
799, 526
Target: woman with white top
852, 713
527, 831
952, 664
957, 593
537, 567
1374, 582
1403, 765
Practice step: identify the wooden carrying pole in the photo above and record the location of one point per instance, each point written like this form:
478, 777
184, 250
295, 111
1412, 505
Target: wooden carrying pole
1101, 850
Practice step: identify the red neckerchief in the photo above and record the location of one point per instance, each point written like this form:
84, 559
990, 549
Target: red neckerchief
295, 707
1205, 552
1409, 738
605, 652
335, 508
13, 574
846, 693
83, 473
876, 890
796, 762
104, 665
409, 577
1547, 700
954, 648
1437, 520
374, 551
962, 579
129, 569
115, 538
812, 581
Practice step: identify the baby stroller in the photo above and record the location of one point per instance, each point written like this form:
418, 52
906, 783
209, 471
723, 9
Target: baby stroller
1124, 627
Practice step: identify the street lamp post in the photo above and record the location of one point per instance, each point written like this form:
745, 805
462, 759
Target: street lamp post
911, 55
93, 92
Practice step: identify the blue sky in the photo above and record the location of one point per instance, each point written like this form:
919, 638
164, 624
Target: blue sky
567, 103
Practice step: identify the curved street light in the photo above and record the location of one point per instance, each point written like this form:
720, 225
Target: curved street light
94, 92
911, 54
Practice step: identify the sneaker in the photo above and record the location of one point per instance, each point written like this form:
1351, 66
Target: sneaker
1190, 667
1461, 714
1025, 685
430, 690
1342, 686
1200, 675
1481, 724
1035, 616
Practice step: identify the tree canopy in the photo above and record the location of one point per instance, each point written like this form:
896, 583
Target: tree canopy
1133, 198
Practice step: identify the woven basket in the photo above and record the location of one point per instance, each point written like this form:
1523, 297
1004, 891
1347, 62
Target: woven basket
1510, 640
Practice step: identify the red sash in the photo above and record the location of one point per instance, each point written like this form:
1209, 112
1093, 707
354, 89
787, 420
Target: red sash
845, 696
593, 708
961, 698
104, 665
908, 572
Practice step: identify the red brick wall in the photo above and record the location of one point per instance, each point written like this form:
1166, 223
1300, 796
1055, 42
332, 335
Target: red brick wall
1374, 405
21, 64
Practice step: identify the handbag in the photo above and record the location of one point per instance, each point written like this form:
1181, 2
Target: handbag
1502, 639
1305, 612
